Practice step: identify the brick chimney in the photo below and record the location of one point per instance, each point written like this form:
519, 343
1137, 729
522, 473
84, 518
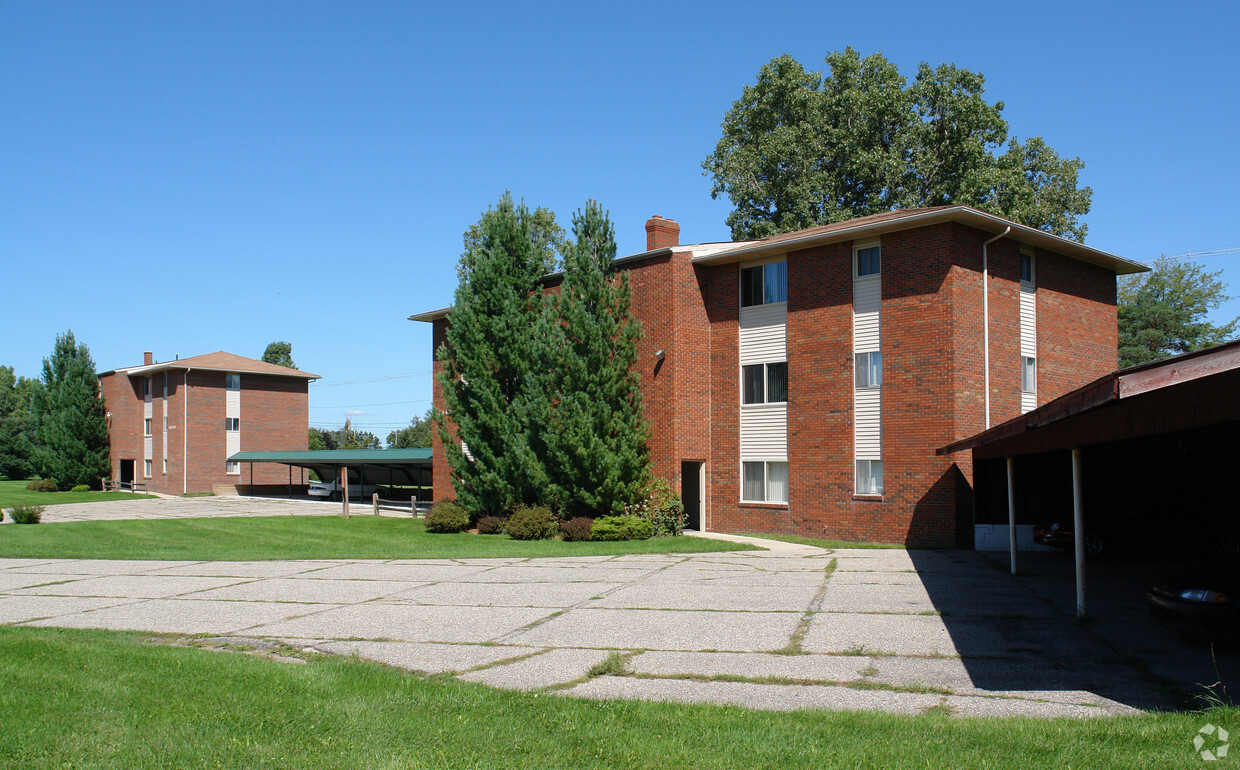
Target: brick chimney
148, 358
661, 233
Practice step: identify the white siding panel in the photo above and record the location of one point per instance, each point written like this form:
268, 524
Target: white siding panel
764, 334
148, 447
232, 442
868, 424
232, 403
764, 432
148, 409
1028, 402
1028, 322
867, 299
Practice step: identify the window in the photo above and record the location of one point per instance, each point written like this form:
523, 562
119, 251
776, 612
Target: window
869, 477
165, 466
232, 381
764, 383
1028, 374
764, 284
232, 423
146, 426
1026, 268
869, 372
146, 387
765, 482
868, 261
232, 467
146, 468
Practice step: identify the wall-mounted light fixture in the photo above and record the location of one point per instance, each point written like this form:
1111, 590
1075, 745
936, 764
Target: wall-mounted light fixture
659, 354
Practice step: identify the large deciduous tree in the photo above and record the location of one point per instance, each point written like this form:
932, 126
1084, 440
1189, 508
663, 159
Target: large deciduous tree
69, 429
1163, 312
497, 323
594, 445
16, 396
280, 353
414, 436
800, 150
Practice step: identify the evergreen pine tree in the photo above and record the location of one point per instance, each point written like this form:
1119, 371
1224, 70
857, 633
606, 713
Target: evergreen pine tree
488, 356
69, 428
595, 446
16, 394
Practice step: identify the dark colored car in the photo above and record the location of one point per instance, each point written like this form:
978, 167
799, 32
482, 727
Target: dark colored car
1060, 535
1203, 601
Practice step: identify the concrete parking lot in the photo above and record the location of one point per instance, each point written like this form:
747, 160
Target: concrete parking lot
790, 627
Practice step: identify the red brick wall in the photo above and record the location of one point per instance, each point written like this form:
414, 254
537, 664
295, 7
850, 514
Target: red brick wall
1077, 331
274, 417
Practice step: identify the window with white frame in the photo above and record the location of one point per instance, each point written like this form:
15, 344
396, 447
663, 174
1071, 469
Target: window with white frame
867, 261
232, 423
764, 383
869, 477
869, 371
764, 482
1028, 374
764, 284
165, 466
146, 468
146, 426
232, 467
232, 381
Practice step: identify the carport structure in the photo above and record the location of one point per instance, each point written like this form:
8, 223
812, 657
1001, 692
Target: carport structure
1159, 438
407, 467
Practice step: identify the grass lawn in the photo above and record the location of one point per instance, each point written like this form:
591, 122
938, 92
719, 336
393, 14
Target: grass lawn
300, 537
819, 542
15, 493
100, 699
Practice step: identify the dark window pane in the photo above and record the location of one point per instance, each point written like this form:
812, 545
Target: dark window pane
776, 282
1026, 268
755, 482
752, 385
751, 286
777, 382
868, 261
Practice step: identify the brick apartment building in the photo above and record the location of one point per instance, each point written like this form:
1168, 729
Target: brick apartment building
806, 379
173, 425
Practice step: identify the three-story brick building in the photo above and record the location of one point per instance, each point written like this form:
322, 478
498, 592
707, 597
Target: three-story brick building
801, 383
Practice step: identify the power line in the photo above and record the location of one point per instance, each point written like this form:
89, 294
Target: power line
389, 403
321, 384
1220, 251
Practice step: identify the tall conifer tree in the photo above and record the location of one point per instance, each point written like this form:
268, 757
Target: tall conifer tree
69, 428
594, 446
488, 357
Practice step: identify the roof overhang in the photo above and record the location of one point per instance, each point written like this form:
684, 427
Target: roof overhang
962, 214
170, 366
1185, 391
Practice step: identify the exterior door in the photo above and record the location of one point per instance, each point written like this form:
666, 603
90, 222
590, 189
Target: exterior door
691, 492
126, 471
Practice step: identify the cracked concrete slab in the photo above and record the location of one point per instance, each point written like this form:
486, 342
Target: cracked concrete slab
543, 670
178, 616
425, 658
23, 609
405, 622
131, 586
817, 668
551, 595
310, 590
708, 597
663, 629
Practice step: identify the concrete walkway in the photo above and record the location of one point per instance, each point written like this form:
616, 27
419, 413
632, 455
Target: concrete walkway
170, 507
793, 627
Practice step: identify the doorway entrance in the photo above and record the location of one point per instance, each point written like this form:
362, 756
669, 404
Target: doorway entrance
127, 472
692, 488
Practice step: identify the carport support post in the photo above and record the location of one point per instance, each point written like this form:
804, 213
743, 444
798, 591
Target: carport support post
1011, 490
344, 496
1078, 533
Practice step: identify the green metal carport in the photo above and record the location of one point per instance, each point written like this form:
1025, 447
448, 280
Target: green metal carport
406, 467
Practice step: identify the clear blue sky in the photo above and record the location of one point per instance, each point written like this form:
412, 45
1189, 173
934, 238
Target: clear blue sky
185, 178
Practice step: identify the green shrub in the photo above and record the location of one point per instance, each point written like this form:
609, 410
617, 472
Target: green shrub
26, 514
491, 525
626, 527
532, 522
577, 528
1, 515
447, 516
662, 507
81, 488
42, 485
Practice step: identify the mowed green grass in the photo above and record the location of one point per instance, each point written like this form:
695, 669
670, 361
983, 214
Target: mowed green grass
15, 493
300, 537
76, 698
